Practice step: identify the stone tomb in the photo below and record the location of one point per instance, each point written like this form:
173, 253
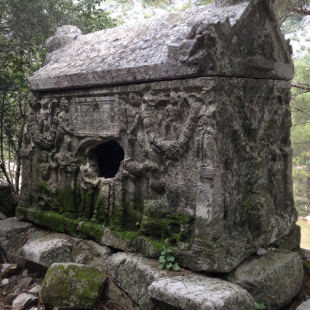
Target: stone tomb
173, 131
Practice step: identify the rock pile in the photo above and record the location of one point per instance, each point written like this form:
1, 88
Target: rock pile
19, 289
132, 281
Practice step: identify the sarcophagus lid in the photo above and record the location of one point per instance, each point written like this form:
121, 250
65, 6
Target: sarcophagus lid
215, 40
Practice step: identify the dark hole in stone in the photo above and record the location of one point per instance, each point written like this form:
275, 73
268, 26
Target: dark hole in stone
110, 155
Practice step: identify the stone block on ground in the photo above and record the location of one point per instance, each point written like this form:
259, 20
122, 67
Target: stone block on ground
304, 306
290, 241
133, 273
48, 250
72, 286
24, 242
201, 293
91, 253
273, 279
12, 235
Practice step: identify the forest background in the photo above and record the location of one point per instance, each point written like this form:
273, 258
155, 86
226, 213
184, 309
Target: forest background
26, 24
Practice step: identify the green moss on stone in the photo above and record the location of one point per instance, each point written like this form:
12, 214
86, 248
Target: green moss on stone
55, 221
22, 212
133, 215
164, 226
93, 230
81, 159
117, 218
86, 203
65, 196
306, 266
43, 186
127, 235
49, 219
100, 209
68, 285
157, 244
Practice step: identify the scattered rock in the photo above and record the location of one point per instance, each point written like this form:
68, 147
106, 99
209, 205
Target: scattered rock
35, 290
25, 282
304, 306
273, 279
24, 301
5, 282
72, 286
262, 252
201, 293
4, 267
11, 270
25, 273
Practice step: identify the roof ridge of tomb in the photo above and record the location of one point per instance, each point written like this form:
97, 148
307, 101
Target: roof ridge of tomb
200, 41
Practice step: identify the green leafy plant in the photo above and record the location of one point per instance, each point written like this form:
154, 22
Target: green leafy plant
167, 260
260, 306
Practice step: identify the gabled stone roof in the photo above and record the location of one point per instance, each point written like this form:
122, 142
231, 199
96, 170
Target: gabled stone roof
238, 40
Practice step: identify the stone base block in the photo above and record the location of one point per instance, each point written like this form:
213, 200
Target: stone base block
273, 279
201, 293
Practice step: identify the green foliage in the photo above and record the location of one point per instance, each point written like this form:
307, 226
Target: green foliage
89, 17
24, 27
300, 134
260, 306
287, 14
167, 260
206, 2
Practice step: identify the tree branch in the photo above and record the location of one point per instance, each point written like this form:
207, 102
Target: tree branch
300, 110
301, 86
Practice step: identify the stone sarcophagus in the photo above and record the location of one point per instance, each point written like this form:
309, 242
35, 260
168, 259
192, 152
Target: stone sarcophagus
173, 131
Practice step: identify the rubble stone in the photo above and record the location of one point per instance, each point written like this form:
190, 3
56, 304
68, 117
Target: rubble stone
273, 279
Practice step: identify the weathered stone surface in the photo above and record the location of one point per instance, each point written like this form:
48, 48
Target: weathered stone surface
12, 236
113, 293
223, 206
223, 3
201, 293
7, 202
72, 286
23, 242
273, 279
134, 273
24, 301
239, 40
202, 162
290, 241
90, 253
48, 250
304, 306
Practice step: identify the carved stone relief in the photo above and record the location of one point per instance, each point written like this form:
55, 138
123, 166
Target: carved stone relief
194, 170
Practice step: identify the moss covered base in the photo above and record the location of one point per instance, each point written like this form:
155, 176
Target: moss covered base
72, 286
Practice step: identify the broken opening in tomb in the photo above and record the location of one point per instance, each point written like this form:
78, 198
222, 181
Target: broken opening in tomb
109, 155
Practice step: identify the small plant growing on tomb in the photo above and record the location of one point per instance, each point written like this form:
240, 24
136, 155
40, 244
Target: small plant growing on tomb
167, 260
260, 306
